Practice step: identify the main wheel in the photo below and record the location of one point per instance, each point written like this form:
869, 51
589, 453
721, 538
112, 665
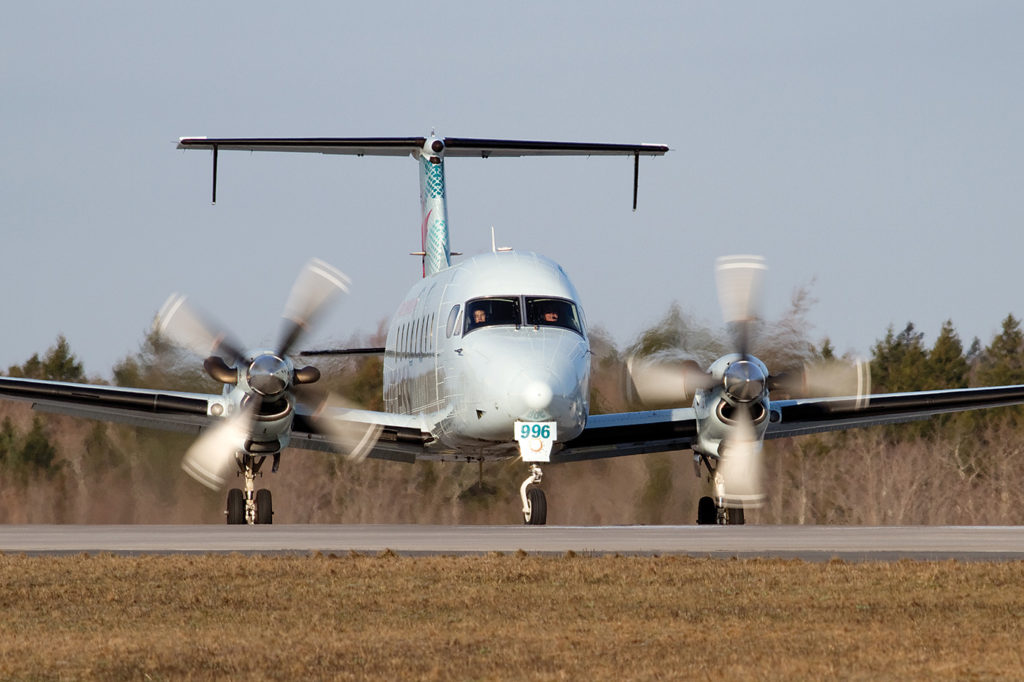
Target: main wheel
236, 506
264, 507
538, 504
707, 513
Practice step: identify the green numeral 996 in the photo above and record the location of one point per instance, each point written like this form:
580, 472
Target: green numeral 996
535, 431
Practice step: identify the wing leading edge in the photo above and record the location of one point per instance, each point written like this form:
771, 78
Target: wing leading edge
799, 417
402, 438
631, 433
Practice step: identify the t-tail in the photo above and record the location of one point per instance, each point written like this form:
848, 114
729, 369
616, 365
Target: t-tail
430, 153
437, 254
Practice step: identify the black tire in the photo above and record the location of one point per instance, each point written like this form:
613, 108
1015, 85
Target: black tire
264, 507
735, 517
236, 506
538, 504
707, 512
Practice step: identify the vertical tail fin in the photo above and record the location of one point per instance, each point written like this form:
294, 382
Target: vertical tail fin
434, 208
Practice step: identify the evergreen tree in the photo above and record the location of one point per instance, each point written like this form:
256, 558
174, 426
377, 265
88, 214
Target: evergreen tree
1002, 362
8, 443
827, 351
59, 364
36, 451
899, 362
947, 366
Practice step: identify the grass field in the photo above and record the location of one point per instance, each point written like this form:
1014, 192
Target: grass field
506, 616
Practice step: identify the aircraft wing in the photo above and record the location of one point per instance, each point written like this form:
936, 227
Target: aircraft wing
816, 415
167, 410
402, 437
631, 433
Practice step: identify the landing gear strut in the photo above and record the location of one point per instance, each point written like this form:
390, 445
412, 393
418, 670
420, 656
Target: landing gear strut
712, 510
535, 504
250, 506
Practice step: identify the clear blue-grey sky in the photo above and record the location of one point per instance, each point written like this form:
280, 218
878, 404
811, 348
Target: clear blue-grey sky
872, 150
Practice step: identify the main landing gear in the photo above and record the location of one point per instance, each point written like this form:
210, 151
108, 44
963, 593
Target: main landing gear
711, 510
535, 504
250, 506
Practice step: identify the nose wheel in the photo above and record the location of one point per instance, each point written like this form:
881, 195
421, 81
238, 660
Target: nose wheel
535, 504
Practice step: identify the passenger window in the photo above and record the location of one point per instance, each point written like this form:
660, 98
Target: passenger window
485, 312
553, 312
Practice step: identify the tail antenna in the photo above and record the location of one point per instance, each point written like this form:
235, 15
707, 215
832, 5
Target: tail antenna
496, 249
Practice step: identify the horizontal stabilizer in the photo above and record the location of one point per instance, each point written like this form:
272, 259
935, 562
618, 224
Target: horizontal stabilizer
414, 146
400, 146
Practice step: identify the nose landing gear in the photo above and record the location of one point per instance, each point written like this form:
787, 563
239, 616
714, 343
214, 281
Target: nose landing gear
535, 505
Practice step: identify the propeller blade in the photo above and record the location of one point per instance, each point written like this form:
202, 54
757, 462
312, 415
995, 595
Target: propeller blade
315, 287
740, 472
739, 280
663, 381
354, 439
835, 379
187, 328
212, 456
827, 379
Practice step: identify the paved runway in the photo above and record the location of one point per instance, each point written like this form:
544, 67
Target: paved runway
813, 543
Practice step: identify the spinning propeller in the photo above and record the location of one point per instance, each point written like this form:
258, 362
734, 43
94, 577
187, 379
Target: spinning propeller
731, 398
260, 385
739, 477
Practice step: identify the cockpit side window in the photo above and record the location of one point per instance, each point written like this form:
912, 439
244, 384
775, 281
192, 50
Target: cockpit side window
553, 312
497, 310
453, 317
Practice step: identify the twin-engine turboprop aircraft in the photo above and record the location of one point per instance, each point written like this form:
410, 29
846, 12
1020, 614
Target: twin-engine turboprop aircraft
485, 359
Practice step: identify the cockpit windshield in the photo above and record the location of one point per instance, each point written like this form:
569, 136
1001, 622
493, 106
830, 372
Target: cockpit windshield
540, 311
552, 312
484, 312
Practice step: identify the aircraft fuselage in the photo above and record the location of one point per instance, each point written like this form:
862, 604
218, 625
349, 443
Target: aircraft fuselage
497, 338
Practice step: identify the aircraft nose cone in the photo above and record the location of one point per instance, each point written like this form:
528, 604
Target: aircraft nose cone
537, 395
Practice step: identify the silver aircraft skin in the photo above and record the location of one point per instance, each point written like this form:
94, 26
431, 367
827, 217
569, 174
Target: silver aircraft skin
485, 358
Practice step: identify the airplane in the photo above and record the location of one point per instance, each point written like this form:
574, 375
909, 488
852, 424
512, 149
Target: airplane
487, 358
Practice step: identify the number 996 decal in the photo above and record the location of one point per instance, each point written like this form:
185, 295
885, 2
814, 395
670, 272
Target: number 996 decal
535, 440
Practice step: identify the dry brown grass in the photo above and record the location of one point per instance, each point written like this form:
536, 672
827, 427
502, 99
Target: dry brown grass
511, 617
